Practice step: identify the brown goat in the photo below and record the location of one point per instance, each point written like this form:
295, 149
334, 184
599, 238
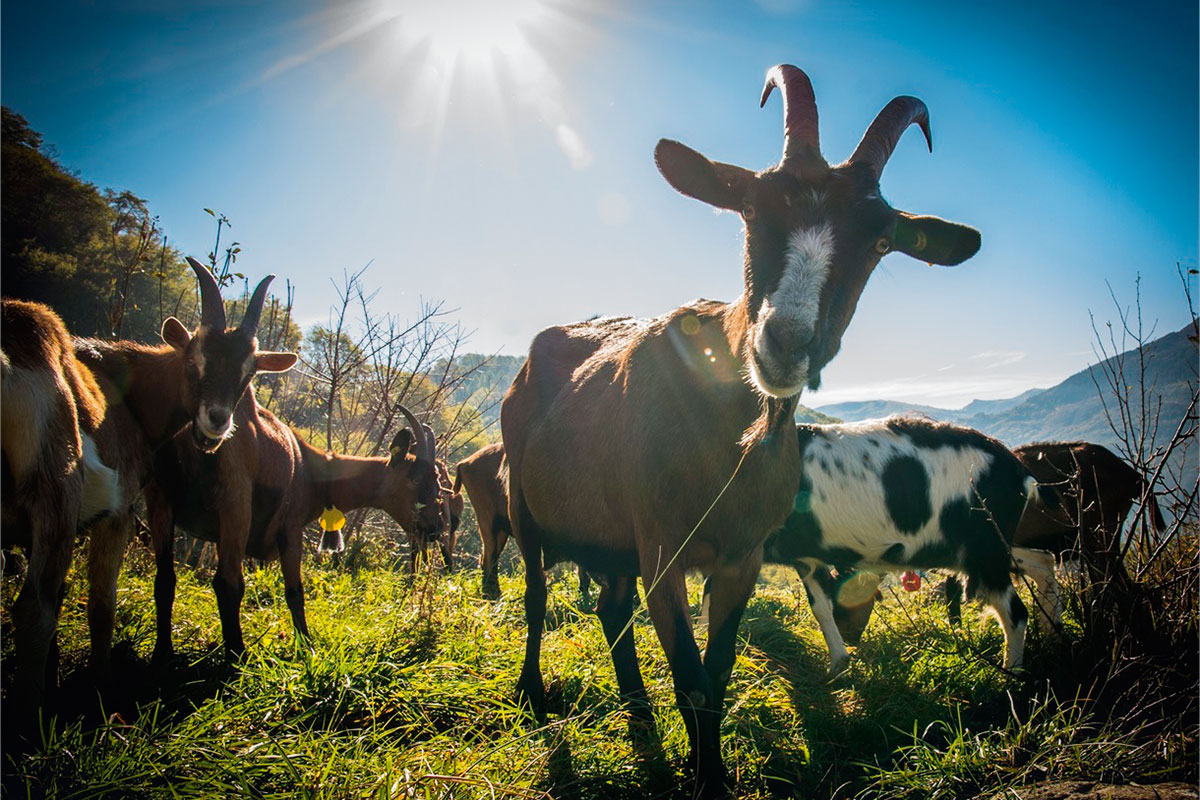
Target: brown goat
154, 393
484, 475
446, 535
129, 399
255, 496
653, 447
54, 481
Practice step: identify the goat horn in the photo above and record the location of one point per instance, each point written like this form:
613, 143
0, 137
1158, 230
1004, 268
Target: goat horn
212, 309
881, 137
432, 439
424, 451
254, 307
801, 139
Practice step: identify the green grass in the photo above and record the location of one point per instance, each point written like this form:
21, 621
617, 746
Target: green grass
406, 691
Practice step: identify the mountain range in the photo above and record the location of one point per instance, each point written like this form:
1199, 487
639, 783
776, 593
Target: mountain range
1075, 408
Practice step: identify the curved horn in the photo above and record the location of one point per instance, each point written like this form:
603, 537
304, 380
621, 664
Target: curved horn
432, 438
424, 451
880, 139
212, 309
254, 307
801, 139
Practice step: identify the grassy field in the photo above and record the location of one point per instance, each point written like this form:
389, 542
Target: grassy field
406, 691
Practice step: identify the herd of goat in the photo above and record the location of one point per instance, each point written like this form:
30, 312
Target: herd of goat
633, 448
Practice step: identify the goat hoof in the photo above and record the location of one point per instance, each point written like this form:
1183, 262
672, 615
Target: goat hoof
162, 658
837, 669
711, 778
532, 695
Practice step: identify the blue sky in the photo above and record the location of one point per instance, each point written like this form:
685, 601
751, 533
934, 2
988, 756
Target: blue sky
498, 156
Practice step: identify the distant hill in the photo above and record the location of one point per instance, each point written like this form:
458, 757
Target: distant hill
857, 411
1074, 409
976, 407
811, 416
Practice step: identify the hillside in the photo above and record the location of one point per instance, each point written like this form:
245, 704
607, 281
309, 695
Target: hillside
1073, 409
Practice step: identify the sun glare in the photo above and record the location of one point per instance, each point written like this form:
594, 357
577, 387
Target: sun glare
498, 64
471, 30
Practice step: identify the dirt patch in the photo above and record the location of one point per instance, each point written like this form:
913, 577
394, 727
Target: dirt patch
1089, 790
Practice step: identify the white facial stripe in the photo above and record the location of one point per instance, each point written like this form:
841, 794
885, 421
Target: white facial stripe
198, 354
806, 268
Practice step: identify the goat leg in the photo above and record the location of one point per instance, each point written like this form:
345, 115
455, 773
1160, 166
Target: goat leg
106, 549
822, 609
162, 534
668, 607
728, 591
293, 587
614, 607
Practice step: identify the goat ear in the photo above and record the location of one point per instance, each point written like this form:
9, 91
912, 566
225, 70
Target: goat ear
274, 362
401, 444
174, 334
934, 240
720, 185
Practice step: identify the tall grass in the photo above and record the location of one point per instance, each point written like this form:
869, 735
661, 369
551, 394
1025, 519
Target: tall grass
406, 691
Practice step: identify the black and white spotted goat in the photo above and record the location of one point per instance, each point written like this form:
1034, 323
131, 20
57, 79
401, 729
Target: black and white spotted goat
911, 493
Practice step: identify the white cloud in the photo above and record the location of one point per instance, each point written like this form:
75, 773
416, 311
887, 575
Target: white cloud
998, 358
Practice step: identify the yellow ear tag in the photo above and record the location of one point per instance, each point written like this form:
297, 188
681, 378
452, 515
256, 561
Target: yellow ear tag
332, 519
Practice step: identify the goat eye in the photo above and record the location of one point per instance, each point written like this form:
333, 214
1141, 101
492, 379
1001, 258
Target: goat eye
748, 212
882, 245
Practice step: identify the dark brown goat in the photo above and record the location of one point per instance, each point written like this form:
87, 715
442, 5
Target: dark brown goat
255, 496
445, 533
187, 387
653, 447
54, 481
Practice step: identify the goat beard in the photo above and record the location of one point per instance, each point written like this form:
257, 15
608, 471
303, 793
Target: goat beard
203, 443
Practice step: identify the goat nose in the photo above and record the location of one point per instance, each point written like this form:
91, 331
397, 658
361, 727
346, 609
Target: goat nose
218, 417
784, 338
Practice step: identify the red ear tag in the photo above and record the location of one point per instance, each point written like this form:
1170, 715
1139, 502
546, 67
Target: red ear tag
911, 581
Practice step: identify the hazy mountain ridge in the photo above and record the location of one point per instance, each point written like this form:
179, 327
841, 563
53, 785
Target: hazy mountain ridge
1073, 409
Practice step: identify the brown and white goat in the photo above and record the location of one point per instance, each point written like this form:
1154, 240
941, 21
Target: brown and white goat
256, 494
653, 447
154, 393
54, 481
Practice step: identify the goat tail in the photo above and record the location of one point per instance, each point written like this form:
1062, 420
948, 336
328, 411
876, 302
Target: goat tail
1156, 515
457, 479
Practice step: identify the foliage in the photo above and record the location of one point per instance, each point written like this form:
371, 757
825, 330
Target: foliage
96, 257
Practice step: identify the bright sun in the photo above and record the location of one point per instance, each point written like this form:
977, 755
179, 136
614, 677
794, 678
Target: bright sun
470, 30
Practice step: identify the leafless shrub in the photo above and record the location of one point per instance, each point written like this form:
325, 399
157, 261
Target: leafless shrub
1136, 655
